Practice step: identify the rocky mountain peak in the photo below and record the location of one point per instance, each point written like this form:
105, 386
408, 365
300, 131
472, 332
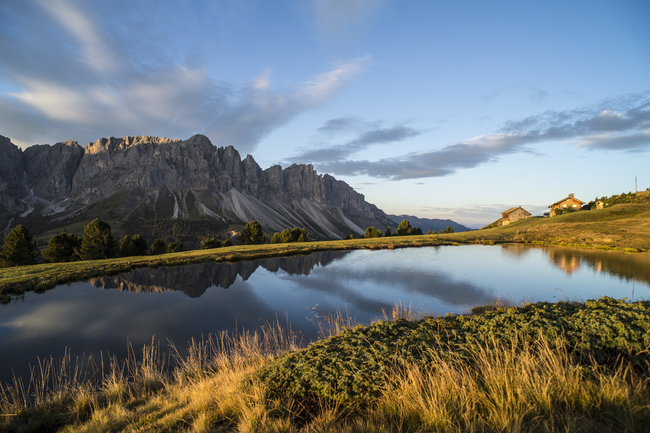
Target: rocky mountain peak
159, 178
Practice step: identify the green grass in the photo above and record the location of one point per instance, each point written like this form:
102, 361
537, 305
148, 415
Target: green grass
540, 367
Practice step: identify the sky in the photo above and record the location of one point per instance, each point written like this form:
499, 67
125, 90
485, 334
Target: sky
436, 109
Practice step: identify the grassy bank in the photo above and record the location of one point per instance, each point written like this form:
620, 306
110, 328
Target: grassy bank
540, 367
624, 227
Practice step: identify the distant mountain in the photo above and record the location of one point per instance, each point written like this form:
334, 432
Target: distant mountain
427, 224
160, 185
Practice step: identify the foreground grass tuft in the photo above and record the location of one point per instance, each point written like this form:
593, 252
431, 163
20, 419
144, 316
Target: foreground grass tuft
542, 367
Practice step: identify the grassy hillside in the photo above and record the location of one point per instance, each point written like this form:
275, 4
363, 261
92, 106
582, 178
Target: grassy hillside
539, 367
624, 225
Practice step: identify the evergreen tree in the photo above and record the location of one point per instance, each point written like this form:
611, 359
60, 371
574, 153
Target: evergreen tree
430, 232
158, 247
175, 247
350, 236
441, 232
133, 246
252, 234
97, 242
304, 236
285, 236
61, 248
210, 243
19, 248
277, 238
388, 232
372, 232
227, 243
404, 228
449, 230
416, 231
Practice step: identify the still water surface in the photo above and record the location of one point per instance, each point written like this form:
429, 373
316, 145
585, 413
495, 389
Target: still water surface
181, 303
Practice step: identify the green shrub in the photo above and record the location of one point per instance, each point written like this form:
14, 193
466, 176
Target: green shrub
354, 364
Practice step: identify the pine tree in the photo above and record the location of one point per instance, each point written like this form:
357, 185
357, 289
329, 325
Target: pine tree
388, 232
97, 242
404, 228
449, 229
210, 243
372, 232
252, 234
227, 243
19, 248
158, 247
133, 246
61, 248
175, 247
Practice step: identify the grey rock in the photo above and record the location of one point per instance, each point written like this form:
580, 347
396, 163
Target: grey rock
166, 178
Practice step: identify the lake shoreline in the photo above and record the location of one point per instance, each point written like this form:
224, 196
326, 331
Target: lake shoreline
39, 278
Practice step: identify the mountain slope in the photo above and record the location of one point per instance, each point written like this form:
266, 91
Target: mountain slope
133, 179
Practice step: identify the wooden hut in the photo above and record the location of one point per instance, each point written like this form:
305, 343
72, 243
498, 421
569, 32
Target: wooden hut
513, 214
568, 202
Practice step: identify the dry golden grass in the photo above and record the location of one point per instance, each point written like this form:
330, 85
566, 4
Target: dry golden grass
508, 387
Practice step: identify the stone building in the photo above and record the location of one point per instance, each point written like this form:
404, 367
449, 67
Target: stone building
513, 214
567, 202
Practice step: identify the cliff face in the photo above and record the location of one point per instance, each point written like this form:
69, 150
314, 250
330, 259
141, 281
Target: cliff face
178, 179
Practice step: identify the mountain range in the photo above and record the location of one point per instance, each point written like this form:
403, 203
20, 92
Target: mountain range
132, 181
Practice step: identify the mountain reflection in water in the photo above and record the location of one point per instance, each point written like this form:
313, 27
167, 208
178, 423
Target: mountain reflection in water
194, 280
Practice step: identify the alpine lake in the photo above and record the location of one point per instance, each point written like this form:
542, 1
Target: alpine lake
168, 305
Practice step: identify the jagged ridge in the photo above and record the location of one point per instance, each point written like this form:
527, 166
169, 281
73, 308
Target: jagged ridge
160, 178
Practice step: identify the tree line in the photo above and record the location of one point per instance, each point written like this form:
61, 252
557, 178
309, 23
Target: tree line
97, 242
252, 234
403, 229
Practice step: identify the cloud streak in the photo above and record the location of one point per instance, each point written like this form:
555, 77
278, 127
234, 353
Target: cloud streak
618, 124
366, 134
71, 78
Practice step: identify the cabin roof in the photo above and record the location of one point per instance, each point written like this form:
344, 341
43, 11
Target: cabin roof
569, 197
512, 209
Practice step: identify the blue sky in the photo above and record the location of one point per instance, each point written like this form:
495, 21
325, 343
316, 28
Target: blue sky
437, 109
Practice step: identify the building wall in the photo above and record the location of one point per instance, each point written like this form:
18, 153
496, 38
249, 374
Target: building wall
518, 215
570, 202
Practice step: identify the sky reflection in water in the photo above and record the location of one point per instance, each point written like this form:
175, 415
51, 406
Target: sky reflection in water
178, 304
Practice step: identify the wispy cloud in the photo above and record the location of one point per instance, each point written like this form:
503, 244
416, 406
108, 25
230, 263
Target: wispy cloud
620, 123
365, 134
72, 78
